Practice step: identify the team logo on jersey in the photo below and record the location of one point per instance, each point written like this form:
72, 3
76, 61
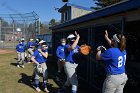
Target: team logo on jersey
20, 46
40, 54
62, 49
75, 50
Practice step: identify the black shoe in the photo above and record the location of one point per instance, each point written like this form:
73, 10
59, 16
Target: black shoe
32, 79
61, 91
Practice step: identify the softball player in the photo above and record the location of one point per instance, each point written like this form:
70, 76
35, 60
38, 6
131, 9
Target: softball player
70, 66
38, 46
39, 58
115, 58
20, 48
30, 48
61, 54
23, 40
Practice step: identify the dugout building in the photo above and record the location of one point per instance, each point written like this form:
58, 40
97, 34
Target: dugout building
121, 17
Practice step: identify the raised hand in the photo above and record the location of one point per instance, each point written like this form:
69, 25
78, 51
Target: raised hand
77, 35
106, 34
107, 38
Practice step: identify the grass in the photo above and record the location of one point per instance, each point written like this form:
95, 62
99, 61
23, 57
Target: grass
17, 80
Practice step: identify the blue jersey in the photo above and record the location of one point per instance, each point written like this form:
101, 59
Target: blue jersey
25, 44
60, 52
39, 57
69, 54
21, 47
114, 60
30, 44
36, 43
38, 47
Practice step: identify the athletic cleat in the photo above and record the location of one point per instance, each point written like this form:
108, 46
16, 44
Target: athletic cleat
38, 89
59, 91
18, 66
46, 90
22, 66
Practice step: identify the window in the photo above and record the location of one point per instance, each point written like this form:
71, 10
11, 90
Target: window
65, 16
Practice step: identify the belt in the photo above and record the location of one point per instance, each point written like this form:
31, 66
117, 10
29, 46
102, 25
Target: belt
72, 63
115, 74
42, 62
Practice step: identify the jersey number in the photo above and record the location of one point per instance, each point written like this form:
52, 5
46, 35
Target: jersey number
121, 60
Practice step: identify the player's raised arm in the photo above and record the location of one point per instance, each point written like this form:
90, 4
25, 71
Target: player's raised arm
45, 54
75, 42
107, 38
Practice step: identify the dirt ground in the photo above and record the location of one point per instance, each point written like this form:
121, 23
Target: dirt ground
4, 51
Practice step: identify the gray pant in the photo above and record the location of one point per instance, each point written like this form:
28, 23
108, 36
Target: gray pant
30, 53
114, 83
37, 75
21, 56
71, 75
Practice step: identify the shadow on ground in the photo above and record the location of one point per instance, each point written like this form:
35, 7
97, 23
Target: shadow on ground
52, 74
15, 58
14, 64
25, 79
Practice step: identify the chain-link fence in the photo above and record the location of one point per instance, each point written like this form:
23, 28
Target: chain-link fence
15, 26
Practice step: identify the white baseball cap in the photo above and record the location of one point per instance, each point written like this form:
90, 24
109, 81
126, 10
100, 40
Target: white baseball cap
37, 39
115, 37
42, 41
22, 39
31, 39
70, 36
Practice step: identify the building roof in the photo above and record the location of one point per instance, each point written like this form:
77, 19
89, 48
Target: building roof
110, 10
77, 6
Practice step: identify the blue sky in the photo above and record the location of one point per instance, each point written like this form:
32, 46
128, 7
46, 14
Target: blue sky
44, 8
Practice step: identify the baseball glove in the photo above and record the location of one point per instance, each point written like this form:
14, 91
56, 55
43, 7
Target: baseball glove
39, 69
102, 48
85, 49
62, 61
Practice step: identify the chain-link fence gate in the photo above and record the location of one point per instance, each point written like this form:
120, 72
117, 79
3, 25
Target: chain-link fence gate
15, 26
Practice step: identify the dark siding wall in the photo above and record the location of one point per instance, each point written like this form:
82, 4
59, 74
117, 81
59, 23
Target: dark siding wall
89, 70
